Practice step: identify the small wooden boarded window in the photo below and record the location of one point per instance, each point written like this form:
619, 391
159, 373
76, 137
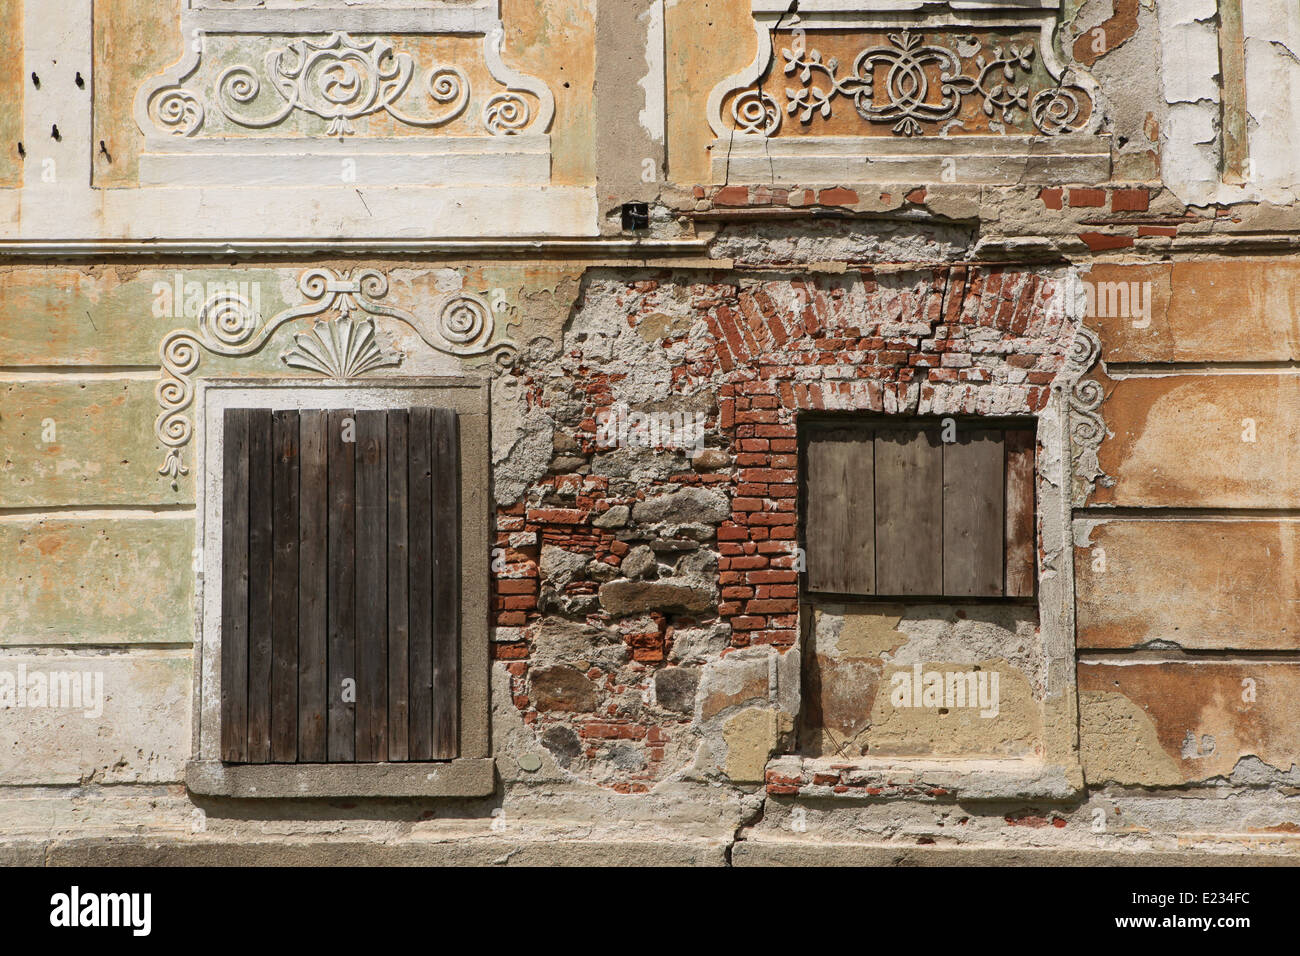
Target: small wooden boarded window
891, 509
340, 614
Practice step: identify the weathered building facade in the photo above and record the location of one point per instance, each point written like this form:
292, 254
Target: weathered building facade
861, 430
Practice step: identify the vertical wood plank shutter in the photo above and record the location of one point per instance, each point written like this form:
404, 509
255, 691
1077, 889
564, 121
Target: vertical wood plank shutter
340, 599
973, 522
895, 511
909, 512
842, 555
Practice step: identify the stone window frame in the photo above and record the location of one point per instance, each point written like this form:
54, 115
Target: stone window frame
1057, 774
469, 774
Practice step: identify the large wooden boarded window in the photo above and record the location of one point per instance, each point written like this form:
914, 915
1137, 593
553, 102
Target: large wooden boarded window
940, 508
340, 614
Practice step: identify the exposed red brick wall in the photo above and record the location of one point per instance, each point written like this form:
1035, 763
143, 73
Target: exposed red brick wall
863, 362
955, 339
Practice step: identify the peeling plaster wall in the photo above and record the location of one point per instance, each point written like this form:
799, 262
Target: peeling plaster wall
656, 671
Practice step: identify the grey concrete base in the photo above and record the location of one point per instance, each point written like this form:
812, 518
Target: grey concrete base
476, 851
466, 777
23, 853
792, 853
538, 850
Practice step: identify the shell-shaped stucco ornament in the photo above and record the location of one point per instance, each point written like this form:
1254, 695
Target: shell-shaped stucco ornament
342, 348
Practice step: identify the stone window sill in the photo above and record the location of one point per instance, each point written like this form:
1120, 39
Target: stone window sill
921, 778
463, 777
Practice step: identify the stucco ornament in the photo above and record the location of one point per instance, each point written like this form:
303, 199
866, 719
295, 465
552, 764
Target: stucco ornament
343, 346
915, 64
339, 80
316, 72
907, 97
178, 111
1087, 428
755, 111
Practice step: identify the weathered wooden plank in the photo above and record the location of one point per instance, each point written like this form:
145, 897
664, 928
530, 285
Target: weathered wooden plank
399, 690
340, 693
284, 588
840, 530
1022, 550
974, 520
260, 550
234, 587
446, 584
909, 512
313, 578
420, 554
372, 585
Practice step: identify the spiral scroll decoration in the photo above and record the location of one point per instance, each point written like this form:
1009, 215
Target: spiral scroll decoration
756, 112
506, 114
343, 348
226, 323
1059, 110
178, 111
338, 80
1087, 428
914, 85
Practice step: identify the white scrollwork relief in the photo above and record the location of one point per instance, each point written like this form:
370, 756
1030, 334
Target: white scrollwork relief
1087, 428
1084, 395
932, 62
910, 96
339, 80
756, 112
506, 114
258, 68
1057, 110
344, 347
177, 111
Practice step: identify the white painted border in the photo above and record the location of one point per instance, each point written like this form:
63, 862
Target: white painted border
981, 160
340, 212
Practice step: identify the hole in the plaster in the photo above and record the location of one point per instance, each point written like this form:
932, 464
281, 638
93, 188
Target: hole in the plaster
635, 216
81, 84
36, 80
54, 132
